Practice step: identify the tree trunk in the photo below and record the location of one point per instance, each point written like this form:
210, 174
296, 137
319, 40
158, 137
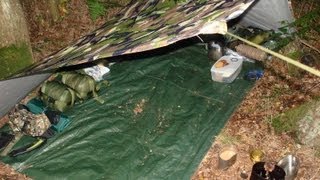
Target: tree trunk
54, 11
15, 48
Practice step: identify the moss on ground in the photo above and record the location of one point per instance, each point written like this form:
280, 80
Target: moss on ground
13, 59
287, 122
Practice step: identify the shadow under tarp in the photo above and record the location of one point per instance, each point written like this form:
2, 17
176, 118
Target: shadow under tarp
159, 119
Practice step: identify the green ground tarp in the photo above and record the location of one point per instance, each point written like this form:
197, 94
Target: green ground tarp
159, 119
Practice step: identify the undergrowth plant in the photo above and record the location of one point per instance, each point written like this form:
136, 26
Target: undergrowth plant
307, 23
98, 8
301, 28
287, 122
227, 139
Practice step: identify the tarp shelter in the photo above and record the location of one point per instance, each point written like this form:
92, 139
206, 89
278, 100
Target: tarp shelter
143, 26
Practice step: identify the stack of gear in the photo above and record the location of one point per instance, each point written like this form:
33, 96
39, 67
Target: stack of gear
61, 94
41, 117
57, 95
32, 120
82, 84
22, 120
58, 120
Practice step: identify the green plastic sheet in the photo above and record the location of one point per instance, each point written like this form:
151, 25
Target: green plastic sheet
159, 119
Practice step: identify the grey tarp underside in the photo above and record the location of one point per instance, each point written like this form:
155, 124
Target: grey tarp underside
13, 90
268, 14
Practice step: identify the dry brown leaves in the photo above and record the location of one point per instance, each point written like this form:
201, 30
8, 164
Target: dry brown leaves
47, 36
7, 173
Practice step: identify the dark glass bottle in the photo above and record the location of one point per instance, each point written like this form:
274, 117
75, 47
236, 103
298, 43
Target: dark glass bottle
259, 172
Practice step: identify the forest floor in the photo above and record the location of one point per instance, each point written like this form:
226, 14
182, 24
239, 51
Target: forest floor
249, 127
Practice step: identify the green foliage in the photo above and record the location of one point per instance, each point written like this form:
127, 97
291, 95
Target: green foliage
295, 54
13, 59
288, 121
98, 8
303, 25
293, 70
282, 39
280, 125
307, 23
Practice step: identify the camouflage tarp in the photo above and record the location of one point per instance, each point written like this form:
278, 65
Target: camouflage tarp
145, 25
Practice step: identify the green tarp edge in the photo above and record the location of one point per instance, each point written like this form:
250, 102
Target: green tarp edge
159, 119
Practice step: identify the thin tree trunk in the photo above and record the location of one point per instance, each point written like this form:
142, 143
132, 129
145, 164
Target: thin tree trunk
54, 11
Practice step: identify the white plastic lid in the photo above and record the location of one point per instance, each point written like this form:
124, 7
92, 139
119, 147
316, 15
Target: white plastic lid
227, 65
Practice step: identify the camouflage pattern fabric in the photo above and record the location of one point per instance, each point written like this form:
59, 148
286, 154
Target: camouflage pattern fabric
21, 120
145, 25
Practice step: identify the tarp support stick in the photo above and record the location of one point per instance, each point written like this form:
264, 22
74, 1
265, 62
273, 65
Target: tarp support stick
280, 56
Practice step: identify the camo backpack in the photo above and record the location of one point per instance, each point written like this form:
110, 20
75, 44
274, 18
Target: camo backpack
21, 120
